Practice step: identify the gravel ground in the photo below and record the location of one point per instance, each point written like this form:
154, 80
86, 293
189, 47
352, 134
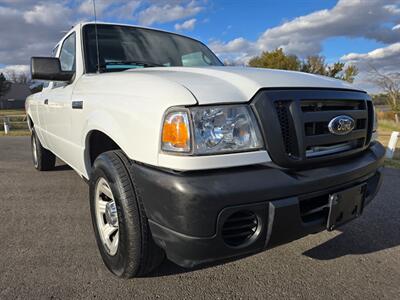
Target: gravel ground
48, 249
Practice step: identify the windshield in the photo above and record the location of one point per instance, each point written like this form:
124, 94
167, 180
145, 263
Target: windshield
123, 47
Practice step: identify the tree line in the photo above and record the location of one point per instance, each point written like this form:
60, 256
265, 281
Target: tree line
12, 77
315, 64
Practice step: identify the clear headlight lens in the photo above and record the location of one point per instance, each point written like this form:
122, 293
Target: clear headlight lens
210, 130
222, 129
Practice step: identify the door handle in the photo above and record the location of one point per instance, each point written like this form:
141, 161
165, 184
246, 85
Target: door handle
77, 104
46, 101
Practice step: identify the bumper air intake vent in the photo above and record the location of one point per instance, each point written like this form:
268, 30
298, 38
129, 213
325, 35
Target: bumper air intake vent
239, 228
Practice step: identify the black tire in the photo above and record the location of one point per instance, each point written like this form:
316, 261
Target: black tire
43, 159
137, 254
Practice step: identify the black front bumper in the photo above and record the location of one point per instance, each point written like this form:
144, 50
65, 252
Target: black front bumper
186, 211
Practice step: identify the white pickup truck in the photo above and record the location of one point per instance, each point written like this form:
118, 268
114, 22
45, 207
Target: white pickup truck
194, 160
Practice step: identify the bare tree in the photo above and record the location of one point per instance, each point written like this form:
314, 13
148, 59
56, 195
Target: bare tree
390, 84
23, 78
11, 75
20, 77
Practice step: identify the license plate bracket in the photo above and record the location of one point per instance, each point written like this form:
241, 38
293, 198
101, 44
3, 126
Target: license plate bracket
345, 206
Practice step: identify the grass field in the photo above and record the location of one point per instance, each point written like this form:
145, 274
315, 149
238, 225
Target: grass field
388, 126
16, 133
8, 112
392, 163
18, 125
385, 130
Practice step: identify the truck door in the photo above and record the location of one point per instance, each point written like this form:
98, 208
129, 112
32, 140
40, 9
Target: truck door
58, 102
41, 105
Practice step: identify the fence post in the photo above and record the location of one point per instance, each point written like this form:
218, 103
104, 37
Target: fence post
392, 144
6, 125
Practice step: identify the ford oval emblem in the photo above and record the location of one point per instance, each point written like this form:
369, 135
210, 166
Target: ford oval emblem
341, 125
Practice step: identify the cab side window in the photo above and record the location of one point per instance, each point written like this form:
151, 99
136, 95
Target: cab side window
68, 53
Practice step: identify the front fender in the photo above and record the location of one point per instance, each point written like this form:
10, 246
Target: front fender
107, 124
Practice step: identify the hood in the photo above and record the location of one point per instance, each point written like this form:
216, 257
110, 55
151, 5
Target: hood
237, 84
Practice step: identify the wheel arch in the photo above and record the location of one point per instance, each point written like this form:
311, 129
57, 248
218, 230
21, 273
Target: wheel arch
30, 122
96, 143
128, 132
102, 132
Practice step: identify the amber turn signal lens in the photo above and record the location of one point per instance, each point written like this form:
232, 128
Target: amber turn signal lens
176, 132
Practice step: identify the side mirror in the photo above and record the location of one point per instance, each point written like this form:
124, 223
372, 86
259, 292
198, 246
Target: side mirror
49, 68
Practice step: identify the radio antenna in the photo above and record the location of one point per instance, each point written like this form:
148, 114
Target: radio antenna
97, 39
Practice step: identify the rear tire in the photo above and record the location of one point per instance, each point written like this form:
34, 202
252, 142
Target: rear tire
135, 254
43, 159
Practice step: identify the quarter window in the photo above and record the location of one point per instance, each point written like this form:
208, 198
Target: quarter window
67, 55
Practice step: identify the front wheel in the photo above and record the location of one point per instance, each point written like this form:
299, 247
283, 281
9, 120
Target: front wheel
43, 159
119, 220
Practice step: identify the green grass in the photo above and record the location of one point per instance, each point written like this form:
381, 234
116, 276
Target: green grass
392, 163
8, 112
17, 129
16, 133
388, 126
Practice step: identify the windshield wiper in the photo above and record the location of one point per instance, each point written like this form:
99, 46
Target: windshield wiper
124, 63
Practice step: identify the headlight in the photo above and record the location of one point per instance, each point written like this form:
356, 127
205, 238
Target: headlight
225, 129
218, 129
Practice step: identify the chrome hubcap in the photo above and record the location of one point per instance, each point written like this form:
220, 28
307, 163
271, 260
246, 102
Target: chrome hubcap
106, 217
111, 214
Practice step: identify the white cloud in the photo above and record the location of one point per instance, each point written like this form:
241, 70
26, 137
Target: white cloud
33, 27
392, 8
304, 35
124, 11
86, 6
146, 12
120, 9
17, 69
236, 45
387, 59
168, 12
47, 14
24, 34
187, 25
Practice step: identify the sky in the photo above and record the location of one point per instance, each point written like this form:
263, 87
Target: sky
361, 32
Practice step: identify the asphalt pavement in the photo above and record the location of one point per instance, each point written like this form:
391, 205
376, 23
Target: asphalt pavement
48, 250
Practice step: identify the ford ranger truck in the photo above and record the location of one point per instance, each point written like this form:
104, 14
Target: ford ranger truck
189, 159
